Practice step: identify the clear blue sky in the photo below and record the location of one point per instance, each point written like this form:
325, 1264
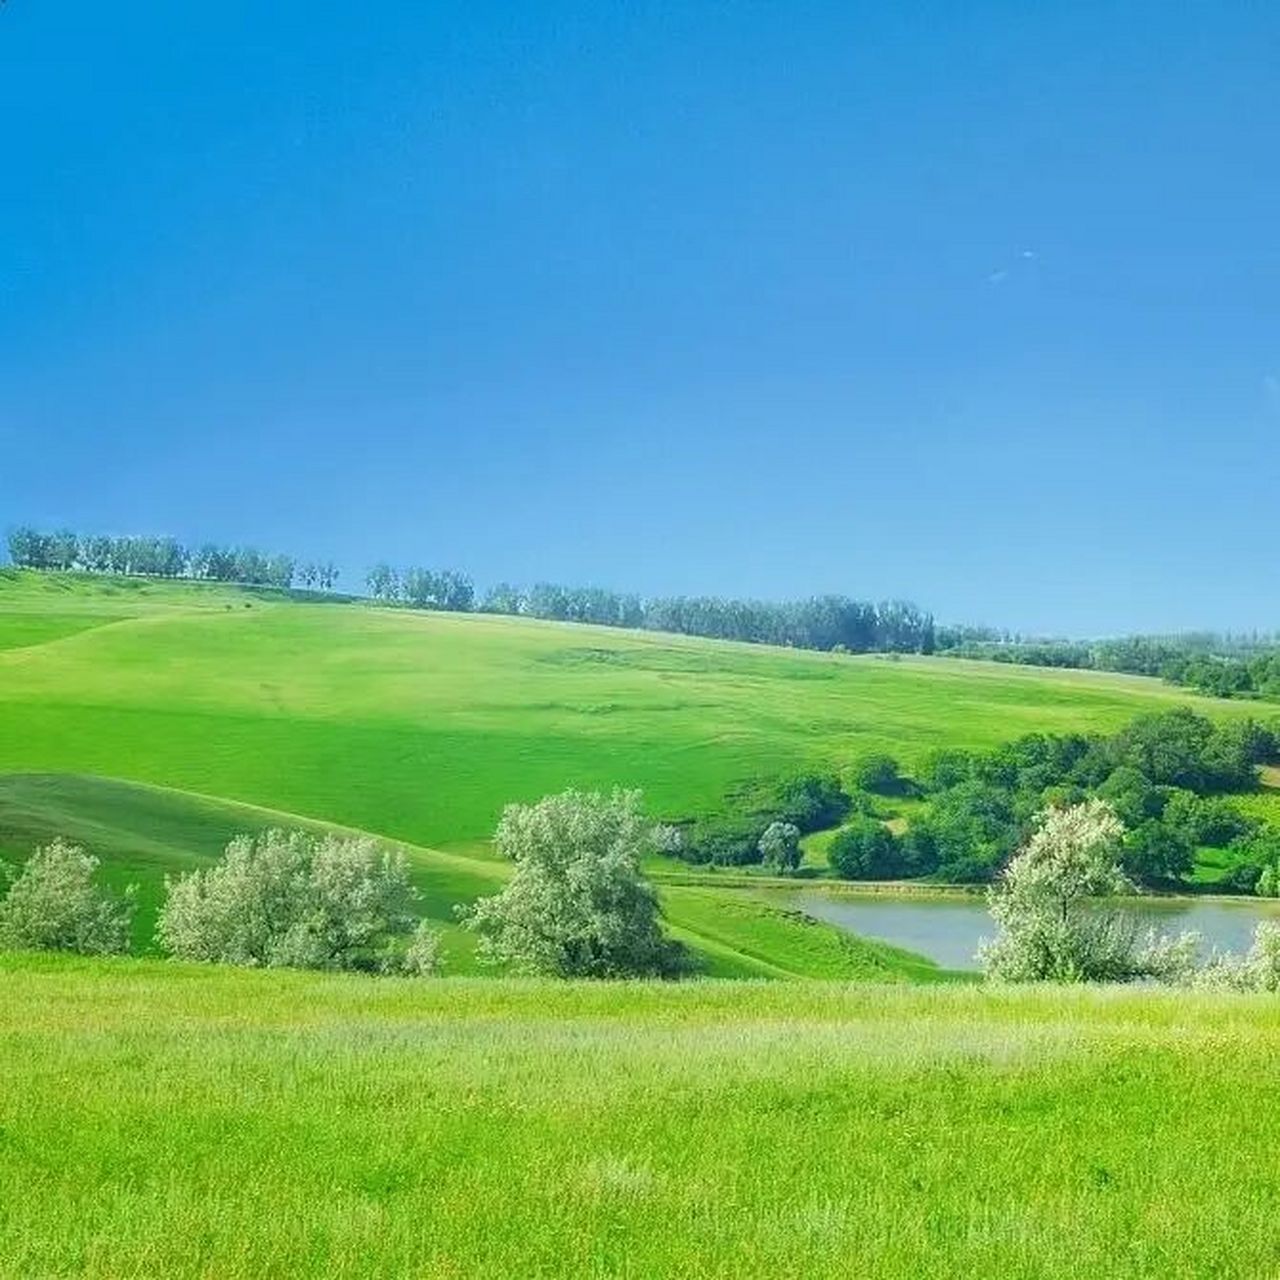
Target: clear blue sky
977, 304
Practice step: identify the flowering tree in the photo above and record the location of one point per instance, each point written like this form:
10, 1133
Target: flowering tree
780, 846
576, 904
54, 905
1051, 927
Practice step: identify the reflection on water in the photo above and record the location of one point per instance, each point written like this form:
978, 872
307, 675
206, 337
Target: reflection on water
948, 930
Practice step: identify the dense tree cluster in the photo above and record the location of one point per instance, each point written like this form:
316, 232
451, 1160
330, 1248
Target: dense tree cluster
161, 557
1166, 777
1221, 666
737, 836
422, 588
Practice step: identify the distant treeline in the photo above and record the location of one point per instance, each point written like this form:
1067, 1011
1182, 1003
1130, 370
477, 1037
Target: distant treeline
1220, 665
825, 622
164, 558
1223, 666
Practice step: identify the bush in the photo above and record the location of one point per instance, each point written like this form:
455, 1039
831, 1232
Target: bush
879, 774
732, 841
865, 850
811, 801
292, 899
53, 905
577, 905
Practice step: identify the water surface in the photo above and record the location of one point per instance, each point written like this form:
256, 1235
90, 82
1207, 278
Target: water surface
949, 929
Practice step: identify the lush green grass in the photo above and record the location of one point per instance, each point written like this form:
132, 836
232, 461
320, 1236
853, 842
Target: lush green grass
168, 1121
421, 726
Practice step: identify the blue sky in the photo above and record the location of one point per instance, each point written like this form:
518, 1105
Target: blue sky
977, 304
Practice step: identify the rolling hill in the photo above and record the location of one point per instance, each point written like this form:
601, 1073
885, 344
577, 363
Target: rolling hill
151, 721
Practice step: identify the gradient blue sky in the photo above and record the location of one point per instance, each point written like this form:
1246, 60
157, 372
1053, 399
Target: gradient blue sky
977, 304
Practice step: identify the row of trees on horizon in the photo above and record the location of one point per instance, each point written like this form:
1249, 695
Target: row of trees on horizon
1218, 665
164, 557
831, 622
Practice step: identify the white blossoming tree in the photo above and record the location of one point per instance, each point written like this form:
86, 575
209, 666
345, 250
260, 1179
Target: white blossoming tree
292, 899
1052, 926
53, 904
577, 904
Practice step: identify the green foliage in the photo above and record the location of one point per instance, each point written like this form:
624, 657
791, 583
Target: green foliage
880, 774
295, 900
577, 904
1134, 797
1157, 852
811, 801
53, 905
865, 850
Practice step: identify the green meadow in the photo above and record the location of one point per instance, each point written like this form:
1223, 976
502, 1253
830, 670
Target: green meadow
165, 1120
833, 1106
420, 727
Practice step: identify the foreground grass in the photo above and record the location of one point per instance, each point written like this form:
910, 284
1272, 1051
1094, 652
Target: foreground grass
177, 1121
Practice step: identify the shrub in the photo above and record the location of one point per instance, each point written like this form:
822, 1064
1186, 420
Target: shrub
292, 899
54, 905
780, 846
811, 801
865, 850
577, 904
729, 841
1257, 970
879, 774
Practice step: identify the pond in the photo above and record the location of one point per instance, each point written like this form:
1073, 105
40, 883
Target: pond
948, 929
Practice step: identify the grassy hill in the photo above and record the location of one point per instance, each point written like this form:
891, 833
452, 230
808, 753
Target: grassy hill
165, 1120
151, 721
421, 726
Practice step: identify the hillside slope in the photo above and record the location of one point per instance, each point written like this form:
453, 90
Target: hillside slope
421, 726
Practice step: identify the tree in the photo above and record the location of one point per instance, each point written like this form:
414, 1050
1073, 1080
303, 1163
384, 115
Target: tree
812, 801
54, 905
577, 905
879, 773
383, 582
29, 549
865, 850
1157, 853
292, 899
1050, 926
780, 846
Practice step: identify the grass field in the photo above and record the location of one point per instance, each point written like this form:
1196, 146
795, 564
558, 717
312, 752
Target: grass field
420, 727
158, 1120
883, 1119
